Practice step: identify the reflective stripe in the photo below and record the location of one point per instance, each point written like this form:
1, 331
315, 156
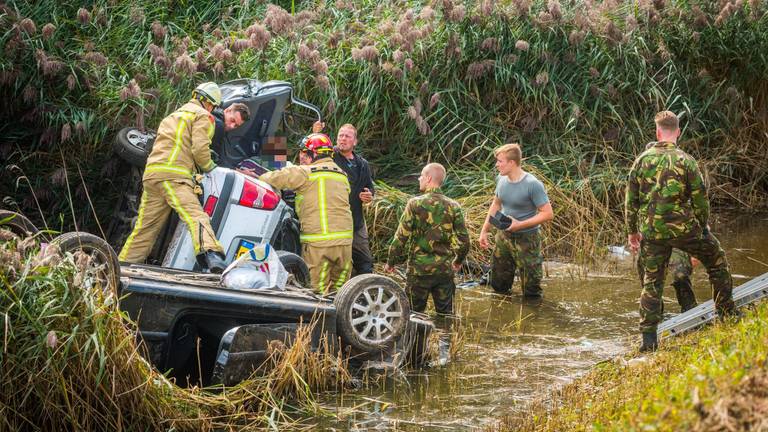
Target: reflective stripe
329, 175
322, 204
342, 276
182, 213
185, 117
309, 238
321, 177
136, 228
212, 129
209, 166
169, 169
321, 281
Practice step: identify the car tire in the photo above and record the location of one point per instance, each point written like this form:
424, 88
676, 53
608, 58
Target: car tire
17, 223
372, 312
296, 266
134, 146
106, 267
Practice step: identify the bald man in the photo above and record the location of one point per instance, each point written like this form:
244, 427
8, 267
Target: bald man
424, 239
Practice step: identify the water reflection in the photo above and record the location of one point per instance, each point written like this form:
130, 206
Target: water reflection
517, 350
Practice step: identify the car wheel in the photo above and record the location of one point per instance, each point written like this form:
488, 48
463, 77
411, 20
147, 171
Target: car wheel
372, 311
102, 267
17, 223
133, 145
296, 266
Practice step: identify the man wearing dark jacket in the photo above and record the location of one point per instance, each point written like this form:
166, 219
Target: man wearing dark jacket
361, 191
226, 120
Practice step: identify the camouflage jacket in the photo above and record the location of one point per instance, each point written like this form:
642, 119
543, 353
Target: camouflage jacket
666, 196
425, 236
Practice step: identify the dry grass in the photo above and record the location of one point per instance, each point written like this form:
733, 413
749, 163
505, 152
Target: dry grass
583, 222
70, 362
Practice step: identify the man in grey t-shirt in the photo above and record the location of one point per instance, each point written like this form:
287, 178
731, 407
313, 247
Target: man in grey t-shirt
521, 197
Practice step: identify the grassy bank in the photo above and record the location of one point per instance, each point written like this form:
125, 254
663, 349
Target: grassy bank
70, 361
447, 80
710, 380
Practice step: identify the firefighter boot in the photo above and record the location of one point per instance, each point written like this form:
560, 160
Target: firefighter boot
650, 342
213, 261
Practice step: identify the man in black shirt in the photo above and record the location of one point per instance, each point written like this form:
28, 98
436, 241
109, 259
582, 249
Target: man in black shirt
361, 191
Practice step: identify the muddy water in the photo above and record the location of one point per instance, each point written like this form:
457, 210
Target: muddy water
516, 350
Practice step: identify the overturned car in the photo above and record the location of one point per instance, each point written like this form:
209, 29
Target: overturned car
199, 332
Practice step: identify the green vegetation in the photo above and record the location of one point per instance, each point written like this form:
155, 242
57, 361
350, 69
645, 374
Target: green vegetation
709, 380
444, 81
70, 361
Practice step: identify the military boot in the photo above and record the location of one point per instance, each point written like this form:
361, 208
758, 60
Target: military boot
213, 261
650, 342
443, 351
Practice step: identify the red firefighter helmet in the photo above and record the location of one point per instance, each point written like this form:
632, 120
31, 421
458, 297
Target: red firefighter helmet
317, 143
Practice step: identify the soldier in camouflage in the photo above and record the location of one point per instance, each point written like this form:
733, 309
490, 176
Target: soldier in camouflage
425, 239
522, 197
666, 207
681, 266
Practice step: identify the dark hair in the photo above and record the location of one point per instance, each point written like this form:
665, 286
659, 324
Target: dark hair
242, 108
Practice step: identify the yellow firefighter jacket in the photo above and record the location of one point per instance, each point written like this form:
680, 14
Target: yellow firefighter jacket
183, 143
322, 201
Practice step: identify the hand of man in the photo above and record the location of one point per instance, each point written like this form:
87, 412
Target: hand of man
456, 267
483, 240
515, 225
634, 242
248, 172
366, 196
694, 262
318, 126
388, 268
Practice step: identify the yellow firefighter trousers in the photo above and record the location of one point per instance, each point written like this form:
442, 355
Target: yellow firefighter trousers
329, 266
157, 200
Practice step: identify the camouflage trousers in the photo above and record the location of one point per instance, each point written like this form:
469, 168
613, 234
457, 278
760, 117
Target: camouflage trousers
442, 288
515, 251
704, 247
681, 269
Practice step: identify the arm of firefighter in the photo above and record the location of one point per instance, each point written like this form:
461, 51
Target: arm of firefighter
632, 200
462, 236
202, 132
397, 251
699, 200
292, 177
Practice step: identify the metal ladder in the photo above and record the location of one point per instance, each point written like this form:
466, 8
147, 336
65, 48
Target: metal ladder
743, 295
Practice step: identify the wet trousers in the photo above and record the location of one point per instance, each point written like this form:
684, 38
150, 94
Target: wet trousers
329, 266
158, 198
704, 247
442, 288
681, 269
517, 251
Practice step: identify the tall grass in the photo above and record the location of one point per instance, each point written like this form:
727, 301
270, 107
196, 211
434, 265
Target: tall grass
71, 362
447, 81
583, 221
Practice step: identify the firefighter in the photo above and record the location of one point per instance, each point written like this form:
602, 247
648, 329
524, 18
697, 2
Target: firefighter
322, 205
182, 146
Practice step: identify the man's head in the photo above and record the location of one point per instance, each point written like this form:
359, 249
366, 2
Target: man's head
235, 115
508, 157
346, 140
667, 126
432, 177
